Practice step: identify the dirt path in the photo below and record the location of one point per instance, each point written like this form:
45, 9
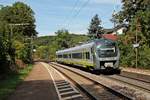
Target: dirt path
37, 86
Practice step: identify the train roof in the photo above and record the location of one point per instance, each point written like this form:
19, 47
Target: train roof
88, 44
102, 40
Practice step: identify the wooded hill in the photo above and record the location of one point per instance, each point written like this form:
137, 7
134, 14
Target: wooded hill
46, 46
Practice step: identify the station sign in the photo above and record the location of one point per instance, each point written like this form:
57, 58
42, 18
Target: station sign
136, 45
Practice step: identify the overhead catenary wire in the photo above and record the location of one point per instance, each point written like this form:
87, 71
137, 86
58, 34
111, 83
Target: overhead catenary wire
84, 5
78, 12
73, 8
75, 5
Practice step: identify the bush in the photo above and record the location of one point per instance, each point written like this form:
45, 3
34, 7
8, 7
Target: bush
144, 57
25, 55
128, 55
4, 57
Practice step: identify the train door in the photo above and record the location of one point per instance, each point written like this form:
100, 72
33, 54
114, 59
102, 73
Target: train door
93, 58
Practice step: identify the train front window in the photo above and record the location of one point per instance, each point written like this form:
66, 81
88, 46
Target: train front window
106, 51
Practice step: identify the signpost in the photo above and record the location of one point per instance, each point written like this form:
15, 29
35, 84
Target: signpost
135, 45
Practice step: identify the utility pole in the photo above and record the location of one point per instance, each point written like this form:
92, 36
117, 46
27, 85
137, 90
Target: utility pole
114, 12
12, 50
138, 29
136, 37
136, 49
11, 30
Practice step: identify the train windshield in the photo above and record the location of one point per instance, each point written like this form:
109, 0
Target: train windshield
108, 49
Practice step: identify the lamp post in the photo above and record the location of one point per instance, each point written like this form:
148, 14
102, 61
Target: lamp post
34, 51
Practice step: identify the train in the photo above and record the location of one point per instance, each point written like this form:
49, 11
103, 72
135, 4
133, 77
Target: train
97, 55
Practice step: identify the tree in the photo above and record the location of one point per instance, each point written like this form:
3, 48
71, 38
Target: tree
63, 38
130, 9
95, 30
4, 61
136, 14
18, 13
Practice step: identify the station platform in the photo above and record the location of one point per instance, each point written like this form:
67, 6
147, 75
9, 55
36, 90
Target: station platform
38, 85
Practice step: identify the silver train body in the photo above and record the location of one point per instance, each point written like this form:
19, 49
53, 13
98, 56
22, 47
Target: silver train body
99, 54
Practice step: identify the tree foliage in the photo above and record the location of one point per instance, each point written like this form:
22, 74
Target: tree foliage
4, 61
19, 13
13, 35
63, 38
135, 13
130, 8
95, 29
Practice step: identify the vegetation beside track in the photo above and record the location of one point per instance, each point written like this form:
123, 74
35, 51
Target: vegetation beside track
9, 84
136, 14
16, 35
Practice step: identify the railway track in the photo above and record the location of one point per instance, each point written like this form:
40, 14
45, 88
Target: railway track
122, 91
137, 80
136, 76
92, 88
137, 83
64, 88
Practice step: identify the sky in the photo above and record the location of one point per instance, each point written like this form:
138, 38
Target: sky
73, 15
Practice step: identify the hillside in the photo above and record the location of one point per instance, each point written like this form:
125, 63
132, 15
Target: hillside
46, 46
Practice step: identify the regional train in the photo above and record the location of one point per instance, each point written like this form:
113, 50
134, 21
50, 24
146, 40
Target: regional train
99, 55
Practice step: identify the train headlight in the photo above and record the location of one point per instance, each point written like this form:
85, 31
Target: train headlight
98, 46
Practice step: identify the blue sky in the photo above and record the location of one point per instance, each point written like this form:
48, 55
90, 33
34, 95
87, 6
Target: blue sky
74, 15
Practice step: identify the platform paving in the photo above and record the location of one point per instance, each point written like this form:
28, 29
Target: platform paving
38, 85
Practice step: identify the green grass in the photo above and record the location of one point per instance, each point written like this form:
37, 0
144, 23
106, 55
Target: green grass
8, 85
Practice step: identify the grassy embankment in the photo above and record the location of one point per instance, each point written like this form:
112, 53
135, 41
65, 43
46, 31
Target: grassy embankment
8, 85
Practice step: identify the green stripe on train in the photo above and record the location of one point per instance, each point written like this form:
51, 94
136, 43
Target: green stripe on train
84, 63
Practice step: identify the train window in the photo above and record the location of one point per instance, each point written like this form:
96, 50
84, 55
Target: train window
65, 55
77, 55
87, 55
59, 56
69, 55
